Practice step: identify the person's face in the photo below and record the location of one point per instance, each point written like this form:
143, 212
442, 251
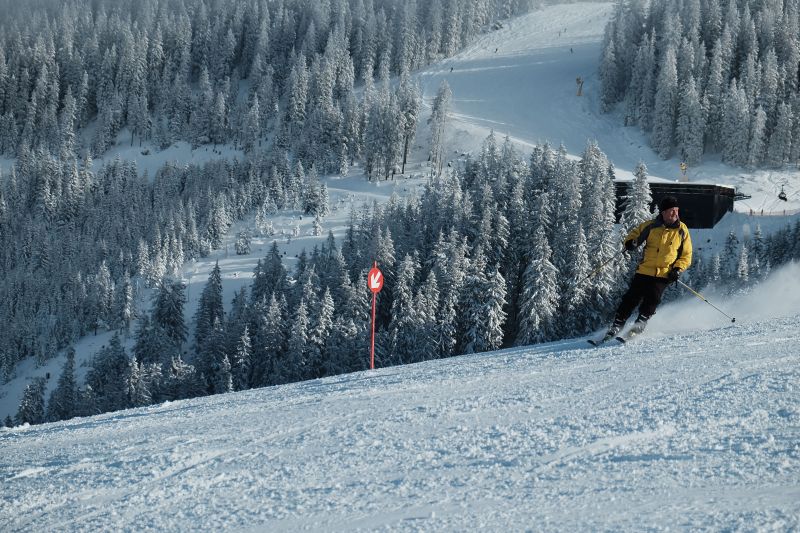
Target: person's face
670, 215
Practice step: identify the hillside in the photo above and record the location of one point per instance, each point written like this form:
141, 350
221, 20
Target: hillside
696, 429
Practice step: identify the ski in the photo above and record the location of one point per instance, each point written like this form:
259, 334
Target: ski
601, 342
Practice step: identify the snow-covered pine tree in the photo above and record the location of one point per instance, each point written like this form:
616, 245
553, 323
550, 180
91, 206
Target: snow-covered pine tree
730, 256
438, 126
125, 307
312, 198
251, 131
409, 100
241, 362
297, 97
294, 366
539, 300
574, 306
666, 103
649, 87
269, 276
137, 385
151, 343
405, 328
269, 342
445, 334
210, 307
742, 269
780, 142
238, 319
319, 333
209, 358
636, 205
691, 126
242, 245
758, 249
609, 76
384, 255
481, 302
495, 315
347, 344
757, 146
735, 126
63, 403
106, 376
168, 305
223, 380
31, 407
383, 142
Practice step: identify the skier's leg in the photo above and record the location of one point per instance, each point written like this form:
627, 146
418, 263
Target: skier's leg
628, 304
651, 297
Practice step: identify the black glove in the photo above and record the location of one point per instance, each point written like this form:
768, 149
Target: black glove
630, 245
673, 275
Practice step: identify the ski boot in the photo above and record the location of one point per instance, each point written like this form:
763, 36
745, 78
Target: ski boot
638, 327
610, 334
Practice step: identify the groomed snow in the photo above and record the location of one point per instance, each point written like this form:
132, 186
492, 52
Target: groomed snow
692, 430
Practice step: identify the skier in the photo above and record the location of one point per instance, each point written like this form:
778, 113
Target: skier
667, 253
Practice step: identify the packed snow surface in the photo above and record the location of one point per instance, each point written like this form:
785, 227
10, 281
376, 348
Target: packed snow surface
691, 430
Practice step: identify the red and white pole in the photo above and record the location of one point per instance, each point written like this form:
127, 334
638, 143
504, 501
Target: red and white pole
375, 284
372, 347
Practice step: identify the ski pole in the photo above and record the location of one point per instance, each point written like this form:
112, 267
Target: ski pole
598, 269
733, 319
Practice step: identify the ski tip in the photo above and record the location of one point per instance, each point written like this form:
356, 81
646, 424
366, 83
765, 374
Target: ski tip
623, 340
592, 342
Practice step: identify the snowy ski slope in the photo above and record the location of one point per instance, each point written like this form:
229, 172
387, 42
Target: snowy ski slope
692, 430
695, 426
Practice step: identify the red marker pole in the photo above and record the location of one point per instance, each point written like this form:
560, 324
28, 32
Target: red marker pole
375, 284
372, 349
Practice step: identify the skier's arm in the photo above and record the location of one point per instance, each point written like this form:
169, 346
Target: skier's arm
684, 259
633, 236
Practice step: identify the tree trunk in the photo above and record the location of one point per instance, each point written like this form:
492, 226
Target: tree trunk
405, 156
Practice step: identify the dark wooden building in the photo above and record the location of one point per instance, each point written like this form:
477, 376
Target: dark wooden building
702, 205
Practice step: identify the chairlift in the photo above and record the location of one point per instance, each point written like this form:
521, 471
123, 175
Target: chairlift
782, 195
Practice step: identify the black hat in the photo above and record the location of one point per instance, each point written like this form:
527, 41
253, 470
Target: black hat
668, 202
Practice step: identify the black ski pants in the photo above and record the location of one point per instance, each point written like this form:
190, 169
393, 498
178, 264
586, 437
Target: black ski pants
644, 290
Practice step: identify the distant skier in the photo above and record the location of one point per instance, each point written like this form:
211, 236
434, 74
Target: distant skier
667, 253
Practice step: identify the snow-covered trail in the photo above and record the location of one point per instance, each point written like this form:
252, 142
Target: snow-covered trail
520, 81
699, 430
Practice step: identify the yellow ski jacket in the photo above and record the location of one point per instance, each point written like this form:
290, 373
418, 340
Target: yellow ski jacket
665, 247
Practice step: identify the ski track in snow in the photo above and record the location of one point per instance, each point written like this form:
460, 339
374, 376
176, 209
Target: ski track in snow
690, 434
